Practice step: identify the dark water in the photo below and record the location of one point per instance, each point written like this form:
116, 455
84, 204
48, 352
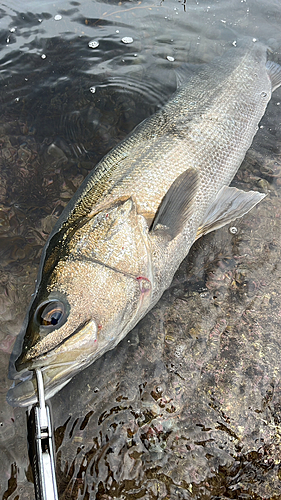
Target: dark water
188, 405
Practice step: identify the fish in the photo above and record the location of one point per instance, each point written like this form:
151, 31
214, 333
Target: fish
116, 246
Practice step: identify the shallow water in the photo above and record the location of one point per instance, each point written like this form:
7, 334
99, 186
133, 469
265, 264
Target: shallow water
188, 405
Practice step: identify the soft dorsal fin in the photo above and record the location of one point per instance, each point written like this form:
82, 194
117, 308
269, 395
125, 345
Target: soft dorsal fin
230, 203
274, 73
176, 206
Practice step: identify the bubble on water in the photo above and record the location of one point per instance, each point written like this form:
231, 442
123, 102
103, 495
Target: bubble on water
92, 89
127, 39
58, 17
93, 44
43, 56
234, 43
170, 58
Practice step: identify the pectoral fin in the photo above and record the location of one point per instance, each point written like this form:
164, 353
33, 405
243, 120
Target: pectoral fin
230, 203
177, 204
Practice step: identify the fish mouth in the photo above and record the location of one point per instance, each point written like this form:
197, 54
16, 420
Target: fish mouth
58, 366
31, 357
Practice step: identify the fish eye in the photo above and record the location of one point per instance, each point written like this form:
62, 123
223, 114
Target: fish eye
50, 313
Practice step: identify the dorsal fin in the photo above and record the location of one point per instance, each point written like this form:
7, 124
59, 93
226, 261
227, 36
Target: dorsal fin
274, 73
187, 70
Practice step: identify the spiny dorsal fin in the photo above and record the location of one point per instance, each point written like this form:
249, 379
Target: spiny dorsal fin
274, 73
176, 206
230, 203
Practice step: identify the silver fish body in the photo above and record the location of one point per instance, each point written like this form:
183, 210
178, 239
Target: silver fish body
117, 245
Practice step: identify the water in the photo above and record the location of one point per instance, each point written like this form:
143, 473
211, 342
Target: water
188, 404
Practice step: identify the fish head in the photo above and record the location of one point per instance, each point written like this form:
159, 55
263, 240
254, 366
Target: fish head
93, 295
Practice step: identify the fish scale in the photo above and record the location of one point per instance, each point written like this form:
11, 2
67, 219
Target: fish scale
118, 243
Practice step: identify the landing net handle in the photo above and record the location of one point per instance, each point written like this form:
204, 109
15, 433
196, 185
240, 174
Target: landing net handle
41, 449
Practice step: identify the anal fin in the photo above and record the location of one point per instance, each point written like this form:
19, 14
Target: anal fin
230, 203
